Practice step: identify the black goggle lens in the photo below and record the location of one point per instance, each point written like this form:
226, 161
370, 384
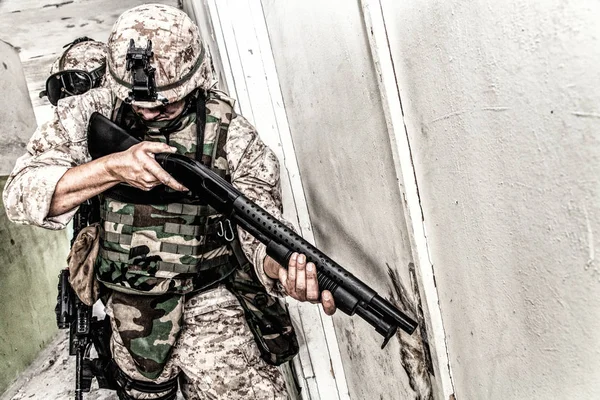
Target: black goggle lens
67, 83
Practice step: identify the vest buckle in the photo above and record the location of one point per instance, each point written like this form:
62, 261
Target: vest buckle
226, 230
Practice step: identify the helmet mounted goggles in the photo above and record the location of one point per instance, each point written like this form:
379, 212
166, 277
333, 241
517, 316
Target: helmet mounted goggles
70, 82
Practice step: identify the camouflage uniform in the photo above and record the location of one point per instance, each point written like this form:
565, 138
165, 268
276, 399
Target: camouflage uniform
204, 334
216, 352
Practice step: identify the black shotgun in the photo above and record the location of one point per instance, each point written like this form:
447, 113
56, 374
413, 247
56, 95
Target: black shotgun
351, 295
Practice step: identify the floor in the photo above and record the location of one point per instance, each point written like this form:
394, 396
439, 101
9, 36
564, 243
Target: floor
52, 376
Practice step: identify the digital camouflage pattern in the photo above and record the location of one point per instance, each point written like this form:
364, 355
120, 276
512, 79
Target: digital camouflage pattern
215, 352
182, 63
56, 146
154, 249
86, 56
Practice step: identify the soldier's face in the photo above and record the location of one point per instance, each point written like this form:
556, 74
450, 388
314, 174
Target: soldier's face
161, 113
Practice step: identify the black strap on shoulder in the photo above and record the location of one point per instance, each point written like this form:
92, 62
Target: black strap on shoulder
200, 123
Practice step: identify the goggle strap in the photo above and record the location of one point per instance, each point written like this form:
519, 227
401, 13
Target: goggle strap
61, 62
97, 74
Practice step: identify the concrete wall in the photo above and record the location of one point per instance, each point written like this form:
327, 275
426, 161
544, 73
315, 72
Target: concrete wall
339, 133
199, 12
28, 271
16, 112
501, 106
502, 109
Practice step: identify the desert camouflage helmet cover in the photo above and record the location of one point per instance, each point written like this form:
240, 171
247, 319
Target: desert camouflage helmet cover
86, 56
182, 63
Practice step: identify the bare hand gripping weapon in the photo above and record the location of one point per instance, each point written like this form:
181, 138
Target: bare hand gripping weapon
351, 295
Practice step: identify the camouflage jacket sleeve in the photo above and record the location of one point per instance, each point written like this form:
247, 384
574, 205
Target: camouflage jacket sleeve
255, 172
56, 146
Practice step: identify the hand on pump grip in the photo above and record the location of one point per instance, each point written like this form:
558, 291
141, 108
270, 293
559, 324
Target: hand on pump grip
300, 281
137, 167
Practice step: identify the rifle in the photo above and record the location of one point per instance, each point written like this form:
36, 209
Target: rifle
351, 295
84, 329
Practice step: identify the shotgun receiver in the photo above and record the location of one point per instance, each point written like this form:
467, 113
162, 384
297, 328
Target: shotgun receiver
351, 295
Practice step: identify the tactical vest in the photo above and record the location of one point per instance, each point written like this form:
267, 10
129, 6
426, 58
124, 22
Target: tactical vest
160, 247
154, 250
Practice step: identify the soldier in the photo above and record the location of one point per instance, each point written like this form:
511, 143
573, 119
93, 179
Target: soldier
79, 68
184, 302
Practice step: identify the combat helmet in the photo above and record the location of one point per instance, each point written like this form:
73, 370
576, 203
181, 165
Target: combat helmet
78, 69
156, 56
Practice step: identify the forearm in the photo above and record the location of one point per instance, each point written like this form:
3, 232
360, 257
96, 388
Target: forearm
79, 184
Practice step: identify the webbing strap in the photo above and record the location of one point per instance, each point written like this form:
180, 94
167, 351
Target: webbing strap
179, 229
177, 268
168, 227
175, 208
181, 249
160, 265
190, 209
117, 218
189, 230
114, 255
124, 382
120, 238
167, 266
213, 262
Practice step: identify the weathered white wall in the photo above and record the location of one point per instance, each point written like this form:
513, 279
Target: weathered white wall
16, 112
339, 132
199, 12
502, 106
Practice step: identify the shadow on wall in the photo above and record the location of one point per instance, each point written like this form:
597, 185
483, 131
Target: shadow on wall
30, 259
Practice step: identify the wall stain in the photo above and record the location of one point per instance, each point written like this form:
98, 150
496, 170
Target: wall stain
414, 350
415, 357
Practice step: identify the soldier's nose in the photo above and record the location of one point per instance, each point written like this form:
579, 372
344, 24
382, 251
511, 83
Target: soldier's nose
148, 113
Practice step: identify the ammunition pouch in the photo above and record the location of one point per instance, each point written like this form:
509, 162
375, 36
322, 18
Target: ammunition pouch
266, 315
81, 261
